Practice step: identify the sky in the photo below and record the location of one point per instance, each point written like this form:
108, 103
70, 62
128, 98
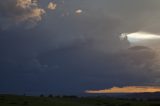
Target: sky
74, 46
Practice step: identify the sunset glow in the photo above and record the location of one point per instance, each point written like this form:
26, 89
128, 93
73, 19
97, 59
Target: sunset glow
127, 89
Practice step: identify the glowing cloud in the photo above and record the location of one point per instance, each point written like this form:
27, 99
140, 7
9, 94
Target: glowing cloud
34, 12
20, 11
79, 11
127, 89
52, 6
25, 3
139, 36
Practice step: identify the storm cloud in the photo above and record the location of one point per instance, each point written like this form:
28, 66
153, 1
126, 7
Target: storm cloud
68, 53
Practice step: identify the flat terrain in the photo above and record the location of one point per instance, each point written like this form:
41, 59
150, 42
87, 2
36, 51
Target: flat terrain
11, 100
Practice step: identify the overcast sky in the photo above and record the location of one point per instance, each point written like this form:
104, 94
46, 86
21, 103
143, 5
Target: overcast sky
74, 45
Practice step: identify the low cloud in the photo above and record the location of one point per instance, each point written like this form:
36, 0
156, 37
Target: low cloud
127, 89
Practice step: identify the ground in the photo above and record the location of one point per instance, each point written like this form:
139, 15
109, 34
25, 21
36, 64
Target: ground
12, 100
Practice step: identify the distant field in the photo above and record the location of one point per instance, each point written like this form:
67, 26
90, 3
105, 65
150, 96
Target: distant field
10, 100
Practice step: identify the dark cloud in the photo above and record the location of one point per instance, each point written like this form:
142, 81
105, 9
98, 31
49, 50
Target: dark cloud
70, 54
93, 70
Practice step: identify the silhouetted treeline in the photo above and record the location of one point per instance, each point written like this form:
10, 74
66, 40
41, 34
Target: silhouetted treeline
58, 96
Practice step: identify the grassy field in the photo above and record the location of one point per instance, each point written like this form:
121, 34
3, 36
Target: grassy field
10, 100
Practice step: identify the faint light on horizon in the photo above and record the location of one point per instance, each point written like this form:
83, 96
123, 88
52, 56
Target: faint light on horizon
127, 89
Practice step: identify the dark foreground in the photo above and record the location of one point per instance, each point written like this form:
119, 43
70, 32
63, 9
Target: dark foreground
11, 100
